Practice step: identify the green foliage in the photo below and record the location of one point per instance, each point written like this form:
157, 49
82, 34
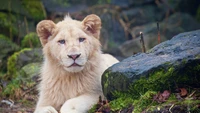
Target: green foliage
93, 109
12, 66
7, 24
6, 46
144, 101
120, 103
157, 81
34, 8
12, 90
189, 105
31, 40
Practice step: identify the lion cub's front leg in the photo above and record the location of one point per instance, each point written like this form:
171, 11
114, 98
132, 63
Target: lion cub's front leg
80, 104
47, 109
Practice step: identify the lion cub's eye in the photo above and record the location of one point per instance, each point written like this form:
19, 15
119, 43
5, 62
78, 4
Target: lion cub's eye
61, 41
81, 39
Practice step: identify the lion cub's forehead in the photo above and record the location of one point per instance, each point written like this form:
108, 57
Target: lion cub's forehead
68, 22
70, 28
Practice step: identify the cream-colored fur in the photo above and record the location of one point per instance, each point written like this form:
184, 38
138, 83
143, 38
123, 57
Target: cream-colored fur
73, 65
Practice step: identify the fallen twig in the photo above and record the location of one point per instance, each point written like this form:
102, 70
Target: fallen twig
9, 102
142, 41
126, 28
29, 90
158, 28
171, 108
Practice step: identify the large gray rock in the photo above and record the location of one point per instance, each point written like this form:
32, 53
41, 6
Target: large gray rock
179, 57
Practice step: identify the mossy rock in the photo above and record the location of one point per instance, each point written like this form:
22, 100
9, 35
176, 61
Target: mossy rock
30, 71
31, 40
22, 58
169, 65
7, 48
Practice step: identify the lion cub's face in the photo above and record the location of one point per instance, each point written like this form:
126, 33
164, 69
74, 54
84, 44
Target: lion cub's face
70, 43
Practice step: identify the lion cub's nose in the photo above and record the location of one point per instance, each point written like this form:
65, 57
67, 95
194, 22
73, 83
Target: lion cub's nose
74, 57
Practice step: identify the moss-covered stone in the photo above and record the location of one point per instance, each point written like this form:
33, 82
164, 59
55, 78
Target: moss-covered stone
12, 63
22, 58
31, 40
170, 65
140, 93
30, 70
7, 48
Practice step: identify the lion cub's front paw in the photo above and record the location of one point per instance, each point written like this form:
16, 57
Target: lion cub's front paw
48, 109
71, 107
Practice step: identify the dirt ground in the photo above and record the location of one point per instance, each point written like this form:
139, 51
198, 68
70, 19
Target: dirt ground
9, 106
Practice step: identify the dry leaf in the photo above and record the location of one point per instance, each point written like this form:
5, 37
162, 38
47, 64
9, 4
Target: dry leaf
162, 97
183, 92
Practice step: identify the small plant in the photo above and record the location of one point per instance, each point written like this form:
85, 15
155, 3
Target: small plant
31, 40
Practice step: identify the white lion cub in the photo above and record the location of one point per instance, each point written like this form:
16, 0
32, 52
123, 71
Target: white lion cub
73, 65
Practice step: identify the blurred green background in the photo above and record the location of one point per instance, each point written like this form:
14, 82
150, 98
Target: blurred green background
122, 20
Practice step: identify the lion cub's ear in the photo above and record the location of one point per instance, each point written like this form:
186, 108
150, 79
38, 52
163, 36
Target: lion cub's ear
45, 29
92, 24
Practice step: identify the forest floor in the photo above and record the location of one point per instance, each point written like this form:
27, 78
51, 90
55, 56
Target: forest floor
9, 106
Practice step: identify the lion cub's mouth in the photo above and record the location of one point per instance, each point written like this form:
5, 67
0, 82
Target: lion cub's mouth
74, 64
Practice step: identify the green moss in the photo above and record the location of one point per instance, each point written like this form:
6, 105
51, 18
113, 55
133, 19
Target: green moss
106, 83
27, 103
157, 81
93, 109
12, 66
120, 103
31, 40
185, 105
144, 102
12, 90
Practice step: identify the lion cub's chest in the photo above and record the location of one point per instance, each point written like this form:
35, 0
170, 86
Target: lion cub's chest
70, 86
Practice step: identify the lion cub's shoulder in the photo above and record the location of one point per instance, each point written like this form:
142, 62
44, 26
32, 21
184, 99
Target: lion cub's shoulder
108, 59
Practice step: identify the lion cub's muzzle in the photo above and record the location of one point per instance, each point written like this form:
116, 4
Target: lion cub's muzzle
74, 57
